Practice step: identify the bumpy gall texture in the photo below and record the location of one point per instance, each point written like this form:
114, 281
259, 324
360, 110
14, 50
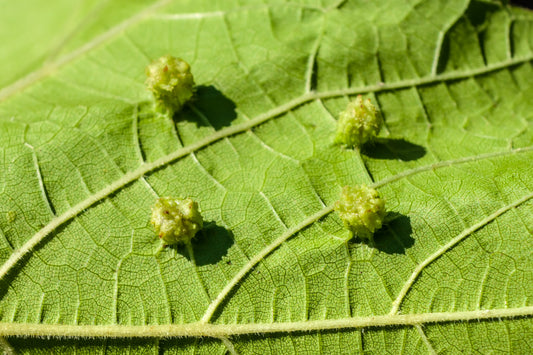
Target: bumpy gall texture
11, 216
358, 123
176, 220
362, 210
171, 82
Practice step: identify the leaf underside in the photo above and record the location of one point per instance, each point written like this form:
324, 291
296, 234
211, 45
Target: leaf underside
84, 156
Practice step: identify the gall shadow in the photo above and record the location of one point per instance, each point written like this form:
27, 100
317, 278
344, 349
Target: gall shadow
208, 107
394, 237
398, 149
209, 245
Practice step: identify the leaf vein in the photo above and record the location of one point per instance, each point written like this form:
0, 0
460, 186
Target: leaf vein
42, 187
46, 70
310, 73
132, 176
6, 347
425, 339
468, 231
199, 329
317, 216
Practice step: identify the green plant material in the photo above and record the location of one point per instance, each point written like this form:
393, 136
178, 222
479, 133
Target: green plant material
11, 216
171, 81
82, 155
362, 210
358, 124
176, 220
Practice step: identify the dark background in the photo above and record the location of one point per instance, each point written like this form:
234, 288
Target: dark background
523, 3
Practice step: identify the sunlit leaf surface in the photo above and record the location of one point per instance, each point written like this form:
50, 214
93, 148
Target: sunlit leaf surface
84, 156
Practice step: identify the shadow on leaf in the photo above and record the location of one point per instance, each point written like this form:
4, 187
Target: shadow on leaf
478, 14
209, 107
388, 148
60, 345
209, 245
395, 236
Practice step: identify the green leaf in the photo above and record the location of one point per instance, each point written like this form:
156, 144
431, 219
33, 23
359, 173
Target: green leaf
84, 157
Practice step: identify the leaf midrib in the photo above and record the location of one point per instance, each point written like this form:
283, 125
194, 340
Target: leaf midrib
198, 329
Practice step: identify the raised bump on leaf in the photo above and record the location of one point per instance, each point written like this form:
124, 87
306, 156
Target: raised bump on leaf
358, 123
11, 216
362, 210
171, 81
176, 220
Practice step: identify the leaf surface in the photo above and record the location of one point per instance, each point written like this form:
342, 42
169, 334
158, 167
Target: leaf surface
84, 157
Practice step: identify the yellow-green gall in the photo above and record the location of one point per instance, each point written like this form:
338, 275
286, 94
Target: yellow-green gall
171, 81
11, 216
176, 220
362, 210
359, 123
